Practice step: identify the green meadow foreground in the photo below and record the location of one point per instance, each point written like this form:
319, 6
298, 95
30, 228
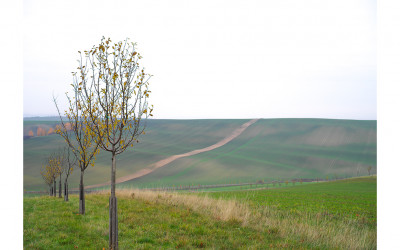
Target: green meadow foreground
337, 214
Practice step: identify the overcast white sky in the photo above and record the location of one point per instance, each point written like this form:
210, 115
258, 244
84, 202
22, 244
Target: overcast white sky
216, 59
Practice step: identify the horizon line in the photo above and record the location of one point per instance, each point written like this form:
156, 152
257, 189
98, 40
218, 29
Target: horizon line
325, 118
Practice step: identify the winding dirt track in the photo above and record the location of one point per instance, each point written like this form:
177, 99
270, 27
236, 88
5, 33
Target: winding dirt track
172, 158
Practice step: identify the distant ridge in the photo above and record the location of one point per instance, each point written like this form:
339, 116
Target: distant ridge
42, 118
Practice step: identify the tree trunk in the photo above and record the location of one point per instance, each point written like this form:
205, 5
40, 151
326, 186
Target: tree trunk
59, 188
55, 188
113, 237
113, 243
50, 191
81, 196
65, 190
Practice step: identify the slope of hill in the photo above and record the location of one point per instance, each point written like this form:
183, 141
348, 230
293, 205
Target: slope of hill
163, 138
274, 149
268, 149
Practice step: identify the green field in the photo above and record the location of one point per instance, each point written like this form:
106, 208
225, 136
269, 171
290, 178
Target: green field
275, 149
51, 224
337, 214
270, 149
353, 198
163, 138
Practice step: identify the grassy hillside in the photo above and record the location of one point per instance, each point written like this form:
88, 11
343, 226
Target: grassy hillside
334, 215
52, 224
353, 198
274, 149
269, 149
163, 138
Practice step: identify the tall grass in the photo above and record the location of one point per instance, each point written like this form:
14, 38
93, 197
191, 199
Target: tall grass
317, 231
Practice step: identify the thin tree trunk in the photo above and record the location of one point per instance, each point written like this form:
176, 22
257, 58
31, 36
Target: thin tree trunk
65, 190
113, 244
55, 188
59, 187
113, 170
81, 196
113, 237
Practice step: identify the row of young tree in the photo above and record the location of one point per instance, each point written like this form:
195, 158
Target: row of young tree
58, 163
107, 110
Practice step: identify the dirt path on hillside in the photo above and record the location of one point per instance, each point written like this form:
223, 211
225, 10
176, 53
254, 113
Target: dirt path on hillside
172, 158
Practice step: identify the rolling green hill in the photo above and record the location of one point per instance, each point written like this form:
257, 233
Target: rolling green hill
163, 138
270, 149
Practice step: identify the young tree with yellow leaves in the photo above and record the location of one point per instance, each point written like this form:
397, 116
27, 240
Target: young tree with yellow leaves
80, 138
114, 92
53, 170
47, 177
